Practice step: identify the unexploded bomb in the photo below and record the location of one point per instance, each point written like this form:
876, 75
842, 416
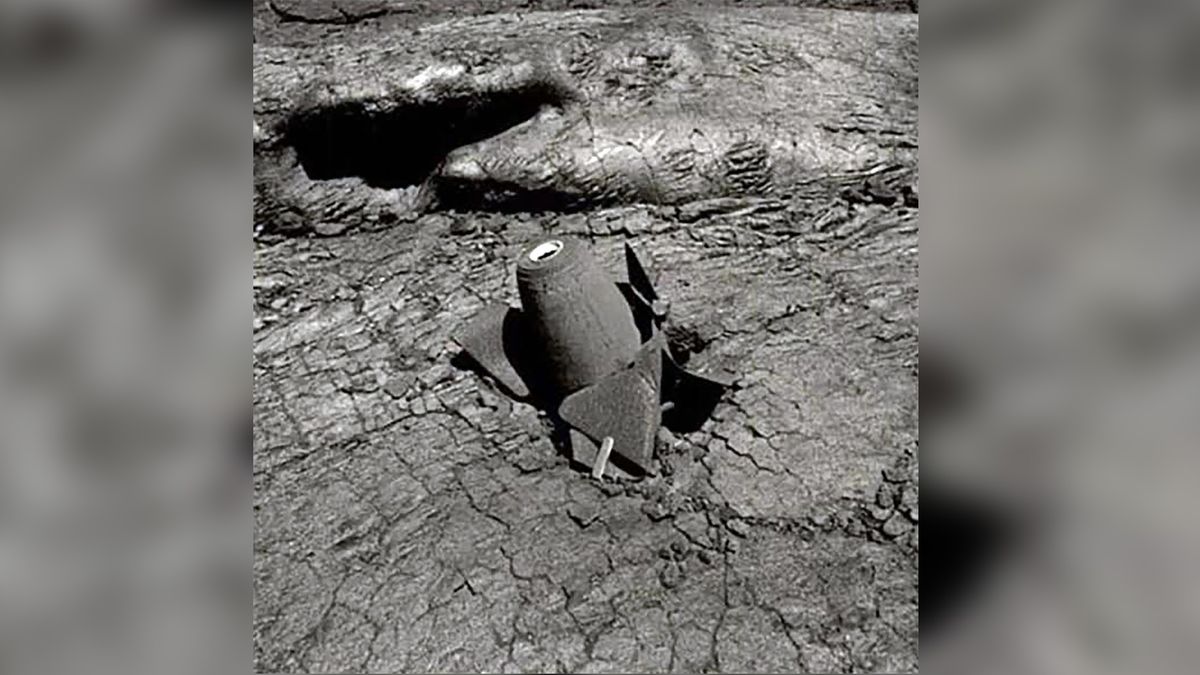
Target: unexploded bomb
594, 350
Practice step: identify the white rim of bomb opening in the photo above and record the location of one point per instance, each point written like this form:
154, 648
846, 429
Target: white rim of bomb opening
545, 250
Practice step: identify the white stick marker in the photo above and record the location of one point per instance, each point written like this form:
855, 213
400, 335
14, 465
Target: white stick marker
602, 458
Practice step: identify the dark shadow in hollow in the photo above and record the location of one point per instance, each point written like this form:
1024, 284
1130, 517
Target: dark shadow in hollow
390, 144
694, 398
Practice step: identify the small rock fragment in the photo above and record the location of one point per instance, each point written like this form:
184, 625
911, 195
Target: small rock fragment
330, 229
583, 514
896, 526
655, 511
880, 514
432, 402
397, 386
705, 556
533, 457
612, 489
679, 548
738, 527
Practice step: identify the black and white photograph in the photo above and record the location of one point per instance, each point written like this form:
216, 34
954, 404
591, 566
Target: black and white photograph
585, 337
579, 336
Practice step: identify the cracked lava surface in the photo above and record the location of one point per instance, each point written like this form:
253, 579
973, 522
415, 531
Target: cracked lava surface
411, 518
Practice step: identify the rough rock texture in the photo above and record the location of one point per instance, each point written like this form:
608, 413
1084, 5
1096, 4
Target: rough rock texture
580, 109
409, 517
312, 21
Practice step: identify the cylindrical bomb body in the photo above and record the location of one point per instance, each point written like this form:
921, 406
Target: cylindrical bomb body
583, 325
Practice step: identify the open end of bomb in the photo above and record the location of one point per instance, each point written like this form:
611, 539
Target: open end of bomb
545, 250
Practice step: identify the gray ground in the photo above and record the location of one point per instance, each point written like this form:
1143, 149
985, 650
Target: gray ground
411, 518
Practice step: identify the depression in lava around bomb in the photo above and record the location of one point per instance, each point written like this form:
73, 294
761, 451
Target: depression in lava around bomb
593, 352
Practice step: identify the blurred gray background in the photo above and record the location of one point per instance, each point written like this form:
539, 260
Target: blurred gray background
124, 352
1060, 299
